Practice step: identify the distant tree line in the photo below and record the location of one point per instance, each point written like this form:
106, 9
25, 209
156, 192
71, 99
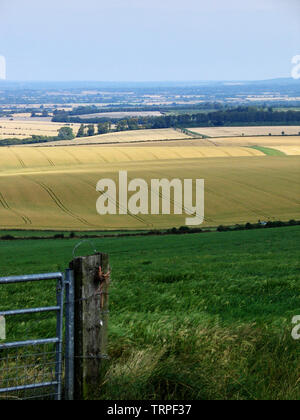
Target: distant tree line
93, 109
83, 110
183, 230
228, 117
259, 225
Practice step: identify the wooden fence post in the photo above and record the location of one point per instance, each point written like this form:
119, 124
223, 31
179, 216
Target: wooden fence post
92, 276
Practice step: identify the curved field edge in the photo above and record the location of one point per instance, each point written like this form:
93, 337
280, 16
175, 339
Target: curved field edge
289, 150
268, 151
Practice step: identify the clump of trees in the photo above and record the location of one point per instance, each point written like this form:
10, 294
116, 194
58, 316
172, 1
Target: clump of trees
104, 128
90, 130
65, 133
81, 131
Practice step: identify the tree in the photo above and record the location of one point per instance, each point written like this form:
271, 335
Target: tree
81, 131
122, 125
91, 130
103, 128
133, 124
65, 133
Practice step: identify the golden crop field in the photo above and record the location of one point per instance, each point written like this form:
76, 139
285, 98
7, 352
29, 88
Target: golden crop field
55, 188
247, 131
257, 141
289, 150
125, 137
26, 128
29, 158
266, 141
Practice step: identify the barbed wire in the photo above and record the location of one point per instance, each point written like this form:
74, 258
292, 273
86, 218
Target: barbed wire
81, 243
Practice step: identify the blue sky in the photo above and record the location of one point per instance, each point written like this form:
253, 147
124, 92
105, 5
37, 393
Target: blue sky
139, 40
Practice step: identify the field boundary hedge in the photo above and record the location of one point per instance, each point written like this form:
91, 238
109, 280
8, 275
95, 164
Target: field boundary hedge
183, 230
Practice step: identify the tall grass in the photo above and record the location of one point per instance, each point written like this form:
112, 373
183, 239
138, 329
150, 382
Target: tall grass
240, 362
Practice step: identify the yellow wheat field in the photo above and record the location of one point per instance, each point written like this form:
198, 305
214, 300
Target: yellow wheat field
247, 131
289, 150
237, 190
55, 187
23, 129
257, 141
235, 141
124, 137
28, 158
266, 141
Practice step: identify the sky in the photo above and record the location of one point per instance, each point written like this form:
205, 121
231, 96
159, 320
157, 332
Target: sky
149, 40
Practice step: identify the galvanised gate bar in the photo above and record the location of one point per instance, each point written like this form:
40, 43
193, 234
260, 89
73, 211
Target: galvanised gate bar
42, 370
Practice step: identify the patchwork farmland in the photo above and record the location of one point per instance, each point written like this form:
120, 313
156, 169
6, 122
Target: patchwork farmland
246, 178
215, 296
149, 205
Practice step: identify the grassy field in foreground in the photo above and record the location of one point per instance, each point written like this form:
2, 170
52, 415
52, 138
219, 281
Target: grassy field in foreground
203, 316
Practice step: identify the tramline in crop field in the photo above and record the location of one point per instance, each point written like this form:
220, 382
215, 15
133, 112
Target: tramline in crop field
55, 188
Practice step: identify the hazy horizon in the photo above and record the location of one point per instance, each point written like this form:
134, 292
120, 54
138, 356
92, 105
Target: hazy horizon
228, 81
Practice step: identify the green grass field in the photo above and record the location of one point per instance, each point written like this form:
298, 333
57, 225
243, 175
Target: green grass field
204, 316
268, 151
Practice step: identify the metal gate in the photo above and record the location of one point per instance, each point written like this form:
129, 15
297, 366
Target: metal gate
33, 368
